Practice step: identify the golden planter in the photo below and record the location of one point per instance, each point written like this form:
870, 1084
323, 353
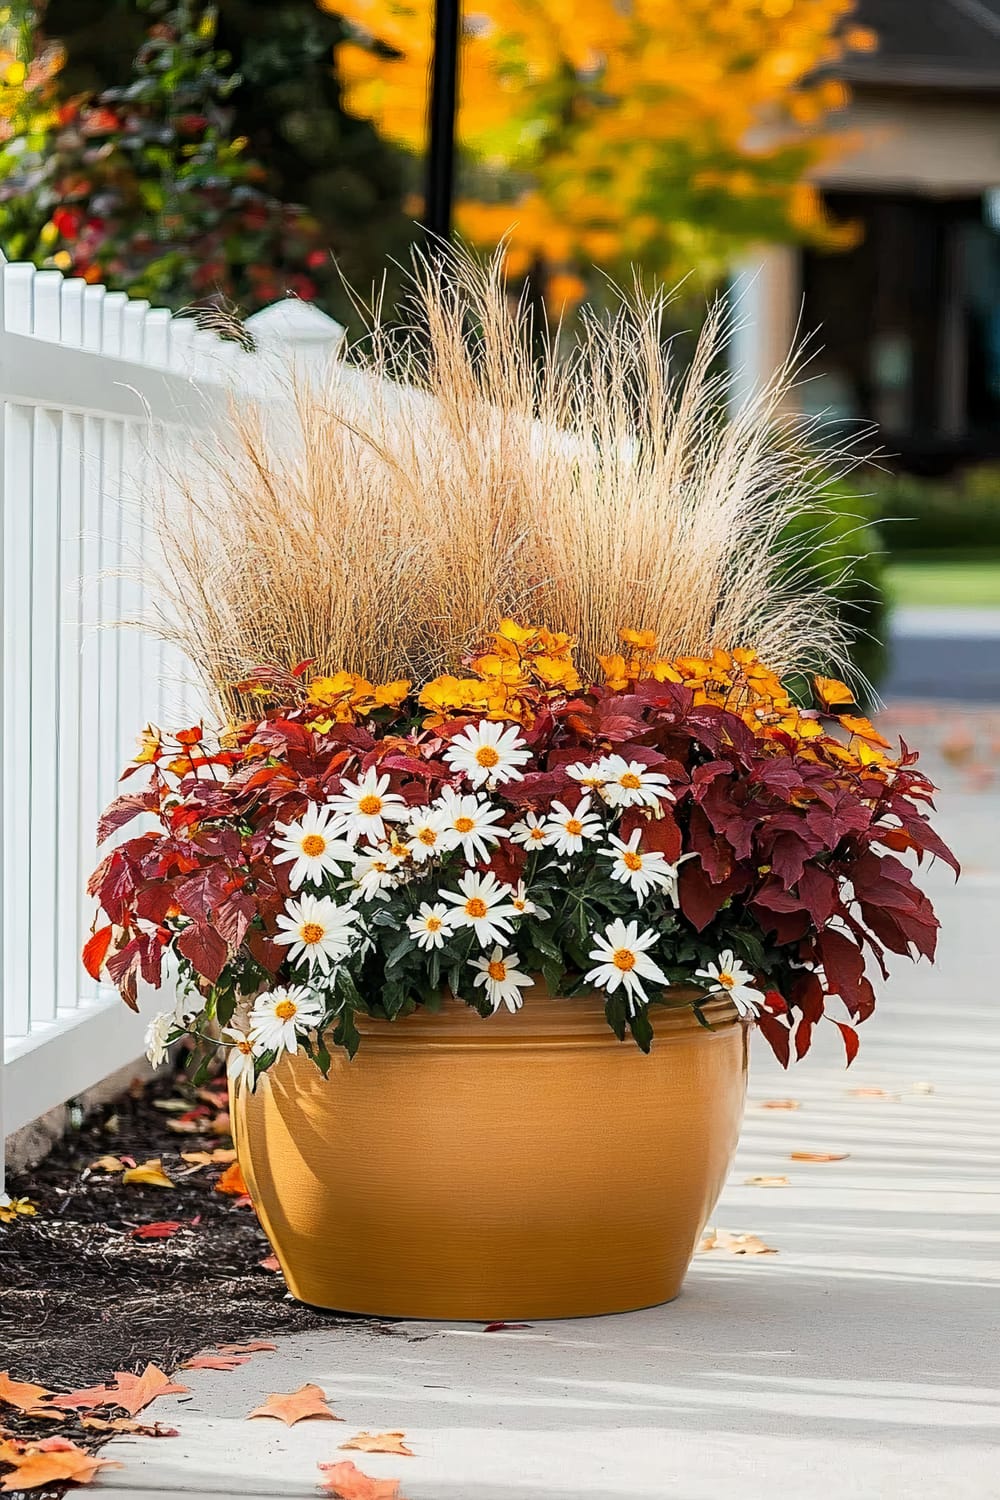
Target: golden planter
523, 1166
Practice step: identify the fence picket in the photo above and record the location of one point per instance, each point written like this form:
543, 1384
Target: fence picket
76, 487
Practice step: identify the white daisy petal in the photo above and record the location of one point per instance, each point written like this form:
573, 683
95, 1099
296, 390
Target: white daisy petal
318, 930
566, 831
622, 960
280, 1016
502, 980
488, 753
312, 846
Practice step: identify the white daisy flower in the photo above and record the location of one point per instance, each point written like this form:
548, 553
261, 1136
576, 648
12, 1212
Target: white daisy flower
643, 870
277, 1018
622, 960
156, 1036
374, 873
483, 904
488, 753
469, 823
503, 981
318, 930
530, 832
364, 807
240, 1061
430, 925
520, 901
591, 777
426, 832
311, 844
628, 783
729, 977
565, 831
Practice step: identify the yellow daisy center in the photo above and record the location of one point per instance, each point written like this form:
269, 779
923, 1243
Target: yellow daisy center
476, 907
370, 805
631, 860
630, 781
497, 970
312, 932
624, 959
313, 844
487, 755
434, 924
427, 836
245, 1046
464, 825
285, 1010
574, 826
726, 980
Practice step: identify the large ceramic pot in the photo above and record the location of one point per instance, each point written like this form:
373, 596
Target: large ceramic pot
523, 1166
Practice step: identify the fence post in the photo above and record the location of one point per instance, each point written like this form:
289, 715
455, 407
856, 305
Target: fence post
297, 333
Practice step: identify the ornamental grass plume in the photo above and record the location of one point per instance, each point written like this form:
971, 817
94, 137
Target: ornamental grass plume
469, 466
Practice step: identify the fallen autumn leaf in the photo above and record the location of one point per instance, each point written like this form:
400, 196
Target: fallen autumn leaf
232, 1182
296, 1406
818, 1155
379, 1442
130, 1392
23, 1396
148, 1174
779, 1104
735, 1244
766, 1182
161, 1230
53, 1461
346, 1481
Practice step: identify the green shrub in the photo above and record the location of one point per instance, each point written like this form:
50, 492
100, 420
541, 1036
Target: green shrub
845, 552
939, 516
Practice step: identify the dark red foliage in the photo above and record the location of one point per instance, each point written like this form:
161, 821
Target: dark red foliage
796, 837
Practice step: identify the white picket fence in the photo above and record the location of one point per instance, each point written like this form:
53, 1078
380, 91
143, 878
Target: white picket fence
87, 379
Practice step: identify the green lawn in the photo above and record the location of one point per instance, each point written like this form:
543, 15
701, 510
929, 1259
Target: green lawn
940, 583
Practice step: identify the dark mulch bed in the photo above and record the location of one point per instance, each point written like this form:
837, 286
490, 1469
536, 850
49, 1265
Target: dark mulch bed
80, 1297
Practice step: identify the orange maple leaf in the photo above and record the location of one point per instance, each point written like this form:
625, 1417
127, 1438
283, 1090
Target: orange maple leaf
832, 693
295, 1406
818, 1155
51, 1462
23, 1396
258, 1346
215, 1362
232, 1182
379, 1442
129, 1424
131, 1392
347, 1482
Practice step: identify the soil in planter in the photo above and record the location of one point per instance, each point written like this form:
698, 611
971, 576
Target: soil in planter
82, 1296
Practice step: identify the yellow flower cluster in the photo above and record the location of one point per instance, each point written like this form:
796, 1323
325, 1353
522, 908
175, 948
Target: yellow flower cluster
348, 697
523, 667
739, 681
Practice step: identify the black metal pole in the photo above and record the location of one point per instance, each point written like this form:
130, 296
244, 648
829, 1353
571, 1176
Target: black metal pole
443, 106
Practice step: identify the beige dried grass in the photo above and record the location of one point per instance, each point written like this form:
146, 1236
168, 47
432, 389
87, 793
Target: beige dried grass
467, 467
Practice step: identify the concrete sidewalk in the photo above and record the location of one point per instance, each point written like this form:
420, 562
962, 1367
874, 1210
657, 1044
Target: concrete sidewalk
860, 1361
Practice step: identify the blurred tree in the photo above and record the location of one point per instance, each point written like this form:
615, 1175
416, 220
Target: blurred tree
662, 133
148, 189
287, 105
29, 115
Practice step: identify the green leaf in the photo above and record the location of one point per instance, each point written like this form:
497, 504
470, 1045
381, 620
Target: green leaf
641, 1028
347, 1035
616, 1013
543, 942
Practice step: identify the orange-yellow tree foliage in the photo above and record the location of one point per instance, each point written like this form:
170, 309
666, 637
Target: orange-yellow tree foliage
664, 133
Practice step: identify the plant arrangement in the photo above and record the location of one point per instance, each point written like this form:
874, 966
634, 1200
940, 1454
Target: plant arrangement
361, 848
407, 804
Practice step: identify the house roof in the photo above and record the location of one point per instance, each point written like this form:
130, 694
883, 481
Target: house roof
947, 44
